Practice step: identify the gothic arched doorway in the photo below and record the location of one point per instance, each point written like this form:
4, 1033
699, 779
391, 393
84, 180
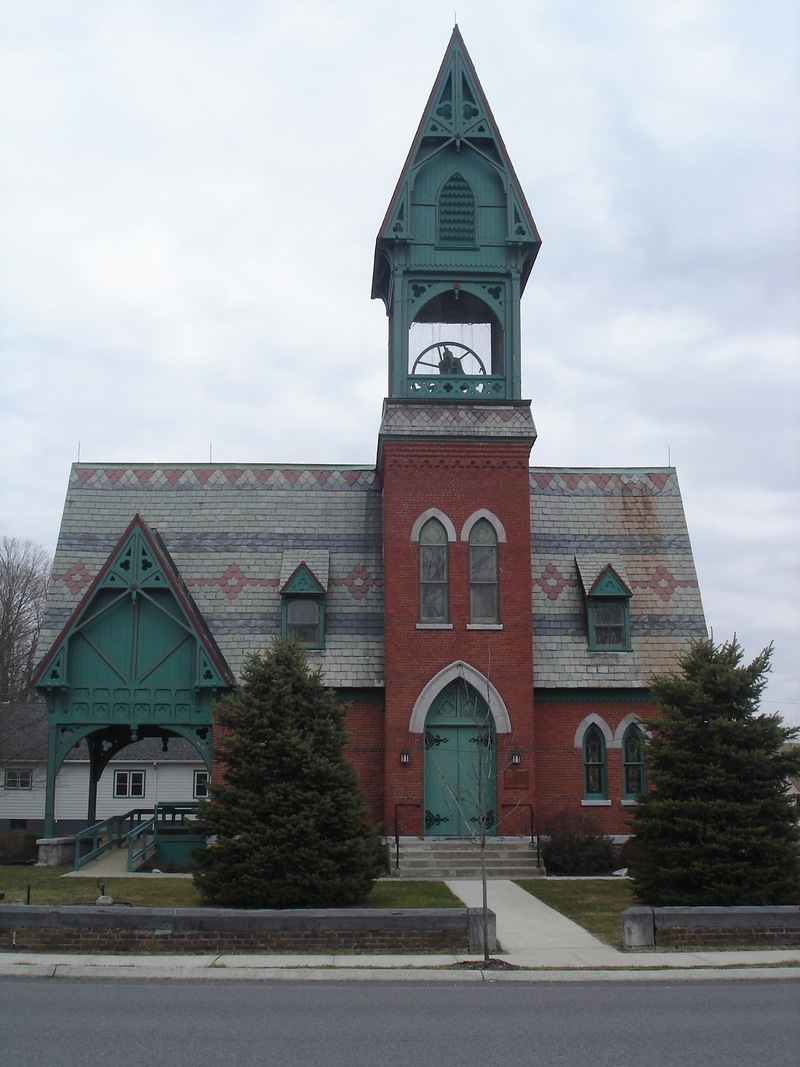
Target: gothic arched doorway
460, 765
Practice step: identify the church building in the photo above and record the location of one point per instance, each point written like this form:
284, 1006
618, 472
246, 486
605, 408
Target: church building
491, 625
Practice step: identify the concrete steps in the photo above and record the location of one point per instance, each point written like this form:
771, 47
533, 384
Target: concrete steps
441, 858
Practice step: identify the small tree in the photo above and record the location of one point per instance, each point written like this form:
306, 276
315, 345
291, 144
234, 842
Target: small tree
24, 571
287, 816
717, 827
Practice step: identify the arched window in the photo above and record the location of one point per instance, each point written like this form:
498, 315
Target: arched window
594, 764
484, 606
633, 776
433, 592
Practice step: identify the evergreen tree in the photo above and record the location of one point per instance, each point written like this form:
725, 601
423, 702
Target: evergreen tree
287, 816
717, 827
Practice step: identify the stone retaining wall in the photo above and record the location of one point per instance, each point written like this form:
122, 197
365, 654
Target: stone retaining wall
768, 927
34, 928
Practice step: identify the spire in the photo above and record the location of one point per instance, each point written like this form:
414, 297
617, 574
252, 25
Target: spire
457, 118
454, 250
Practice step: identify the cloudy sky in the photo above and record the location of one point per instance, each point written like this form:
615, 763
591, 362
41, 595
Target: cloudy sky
190, 192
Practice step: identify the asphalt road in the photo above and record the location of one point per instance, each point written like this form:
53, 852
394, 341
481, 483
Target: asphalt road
340, 1024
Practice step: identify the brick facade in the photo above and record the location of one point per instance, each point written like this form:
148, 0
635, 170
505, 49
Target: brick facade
457, 477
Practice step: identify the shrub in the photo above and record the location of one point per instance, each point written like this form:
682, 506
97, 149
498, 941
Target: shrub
577, 846
18, 846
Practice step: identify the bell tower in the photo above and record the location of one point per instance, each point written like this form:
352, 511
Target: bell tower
455, 250
452, 259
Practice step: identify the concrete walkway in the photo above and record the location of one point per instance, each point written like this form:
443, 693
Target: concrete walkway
536, 942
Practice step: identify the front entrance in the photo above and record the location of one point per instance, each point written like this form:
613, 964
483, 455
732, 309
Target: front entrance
460, 765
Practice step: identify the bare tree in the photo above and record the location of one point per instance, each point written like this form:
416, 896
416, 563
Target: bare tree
24, 572
480, 768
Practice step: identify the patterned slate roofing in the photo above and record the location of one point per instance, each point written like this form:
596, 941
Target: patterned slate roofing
233, 532
634, 520
228, 530
510, 419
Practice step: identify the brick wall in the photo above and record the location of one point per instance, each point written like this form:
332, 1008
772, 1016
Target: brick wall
559, 764
365, 724
458, 477
94, 929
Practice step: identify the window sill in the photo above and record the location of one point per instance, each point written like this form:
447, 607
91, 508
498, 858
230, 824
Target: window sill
434, 626
595, 803
629, 802
484, 626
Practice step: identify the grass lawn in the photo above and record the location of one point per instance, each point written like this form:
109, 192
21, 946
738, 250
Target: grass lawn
596, 904
48, 886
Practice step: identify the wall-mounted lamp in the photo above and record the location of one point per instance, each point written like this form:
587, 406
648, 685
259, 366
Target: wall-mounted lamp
516, 756
405, 756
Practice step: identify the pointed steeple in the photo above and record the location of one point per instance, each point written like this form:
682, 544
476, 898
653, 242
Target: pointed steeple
456, 247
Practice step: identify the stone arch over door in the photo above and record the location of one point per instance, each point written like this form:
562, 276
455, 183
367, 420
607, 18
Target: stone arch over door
459, 764
464, 672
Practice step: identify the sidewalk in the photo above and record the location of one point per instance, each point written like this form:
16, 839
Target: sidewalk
538, 943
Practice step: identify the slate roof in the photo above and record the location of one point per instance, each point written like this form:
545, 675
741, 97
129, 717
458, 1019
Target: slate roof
235, 533
232, 531
583, 519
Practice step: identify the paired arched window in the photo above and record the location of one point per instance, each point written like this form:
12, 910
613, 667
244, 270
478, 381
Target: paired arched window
433, 573
594, 739
434, 531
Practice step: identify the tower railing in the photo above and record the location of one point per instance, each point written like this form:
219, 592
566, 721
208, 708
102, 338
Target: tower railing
456, 386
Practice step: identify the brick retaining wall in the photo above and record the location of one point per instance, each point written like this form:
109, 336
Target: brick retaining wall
767, 927
34, 928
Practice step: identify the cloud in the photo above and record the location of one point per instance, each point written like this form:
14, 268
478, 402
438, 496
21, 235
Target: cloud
189, 197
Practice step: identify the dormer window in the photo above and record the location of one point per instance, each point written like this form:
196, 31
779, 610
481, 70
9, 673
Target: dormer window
303, 608
607, 608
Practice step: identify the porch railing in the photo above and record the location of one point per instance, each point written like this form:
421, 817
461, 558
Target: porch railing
137, 830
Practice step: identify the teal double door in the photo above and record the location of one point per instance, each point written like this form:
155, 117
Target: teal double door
460, 765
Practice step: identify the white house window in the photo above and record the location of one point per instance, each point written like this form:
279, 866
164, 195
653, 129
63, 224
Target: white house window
201, 784
128, 783
19, 779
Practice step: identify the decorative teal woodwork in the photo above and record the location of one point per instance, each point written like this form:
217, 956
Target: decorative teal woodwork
609, 583
303, 581
135, 660
456, 245
460, 768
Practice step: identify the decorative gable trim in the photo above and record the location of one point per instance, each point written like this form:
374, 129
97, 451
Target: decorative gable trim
303, 581
609, 583
139, 561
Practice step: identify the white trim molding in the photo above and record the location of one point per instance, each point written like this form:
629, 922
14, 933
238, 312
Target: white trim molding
459, 670
595, 720
433, 513
482, 513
